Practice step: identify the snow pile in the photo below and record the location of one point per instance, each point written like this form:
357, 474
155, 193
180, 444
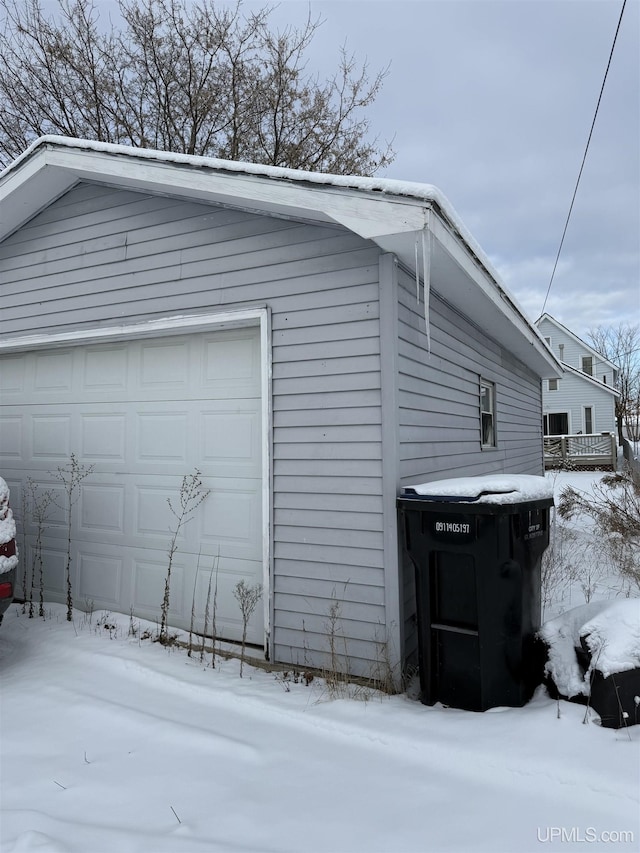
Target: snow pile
609, 630
7, 528
490, 489
562, 636
613, 637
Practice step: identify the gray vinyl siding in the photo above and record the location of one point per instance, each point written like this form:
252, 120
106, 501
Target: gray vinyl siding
99, 256
439, 397
573, 394
439, 407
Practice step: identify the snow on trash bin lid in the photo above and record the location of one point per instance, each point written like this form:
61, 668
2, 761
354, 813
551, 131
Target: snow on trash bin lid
492, 488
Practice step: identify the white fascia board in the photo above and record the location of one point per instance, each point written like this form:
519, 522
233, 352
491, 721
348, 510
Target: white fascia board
25, 192
589, 379
478, 295
354, 209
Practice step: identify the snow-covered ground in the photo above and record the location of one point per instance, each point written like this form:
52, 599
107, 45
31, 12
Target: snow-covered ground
110, 743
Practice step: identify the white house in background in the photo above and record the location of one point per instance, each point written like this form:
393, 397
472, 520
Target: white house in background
162, 312
584, 399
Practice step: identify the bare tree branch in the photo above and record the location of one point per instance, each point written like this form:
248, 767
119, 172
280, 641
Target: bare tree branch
183, 76
621, 346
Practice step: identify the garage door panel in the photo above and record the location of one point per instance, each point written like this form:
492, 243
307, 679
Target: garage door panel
231, 519
103, 436
56, 521
51, 437
53, 371
102, 508
224, 576
13, 374
153, 518
234, 358
144, 414
12, 431
104, 369
54, 561
100, 578
148, 587
162, 437
165, 364
231, 441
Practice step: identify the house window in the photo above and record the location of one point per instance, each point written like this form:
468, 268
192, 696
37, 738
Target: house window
604, 379
588, 420
487, 413
561, 351
553, 385
587, 365
556, 423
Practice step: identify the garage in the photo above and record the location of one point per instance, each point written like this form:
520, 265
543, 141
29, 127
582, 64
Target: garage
145, 413
310, 342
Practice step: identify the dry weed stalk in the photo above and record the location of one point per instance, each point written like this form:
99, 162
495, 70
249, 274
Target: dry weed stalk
192, 494
71, 477
247, 598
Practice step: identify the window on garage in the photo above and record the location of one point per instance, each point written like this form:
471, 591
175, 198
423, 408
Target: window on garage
487, 413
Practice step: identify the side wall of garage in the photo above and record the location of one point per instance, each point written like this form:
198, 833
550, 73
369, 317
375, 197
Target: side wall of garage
439, 406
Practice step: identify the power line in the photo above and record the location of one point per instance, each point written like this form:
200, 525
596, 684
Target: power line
566, 225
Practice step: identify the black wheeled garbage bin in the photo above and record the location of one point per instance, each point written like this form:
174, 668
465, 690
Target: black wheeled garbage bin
476, 544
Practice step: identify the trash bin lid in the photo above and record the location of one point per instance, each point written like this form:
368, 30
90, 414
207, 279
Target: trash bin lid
491, 488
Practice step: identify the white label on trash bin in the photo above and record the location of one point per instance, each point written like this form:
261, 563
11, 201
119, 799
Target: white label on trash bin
453, 527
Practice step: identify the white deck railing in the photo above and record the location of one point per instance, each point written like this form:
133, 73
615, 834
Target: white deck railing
582, 451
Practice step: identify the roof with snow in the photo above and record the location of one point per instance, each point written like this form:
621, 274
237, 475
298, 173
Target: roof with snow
391, 213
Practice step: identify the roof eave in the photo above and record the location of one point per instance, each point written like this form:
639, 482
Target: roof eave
390, 213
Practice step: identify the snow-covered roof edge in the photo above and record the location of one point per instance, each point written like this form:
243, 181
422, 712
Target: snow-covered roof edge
410, 189
582, 375
403, 213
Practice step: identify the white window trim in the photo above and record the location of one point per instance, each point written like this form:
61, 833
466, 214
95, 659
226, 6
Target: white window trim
175, 325
556, 384
593, 365
487, 383
584, 419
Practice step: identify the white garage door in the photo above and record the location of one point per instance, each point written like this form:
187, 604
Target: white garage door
145, 414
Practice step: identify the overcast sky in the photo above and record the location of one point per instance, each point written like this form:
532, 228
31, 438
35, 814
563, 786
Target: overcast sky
492, 101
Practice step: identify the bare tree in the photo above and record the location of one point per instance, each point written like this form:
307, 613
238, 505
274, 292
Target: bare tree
183, 76
621, 345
